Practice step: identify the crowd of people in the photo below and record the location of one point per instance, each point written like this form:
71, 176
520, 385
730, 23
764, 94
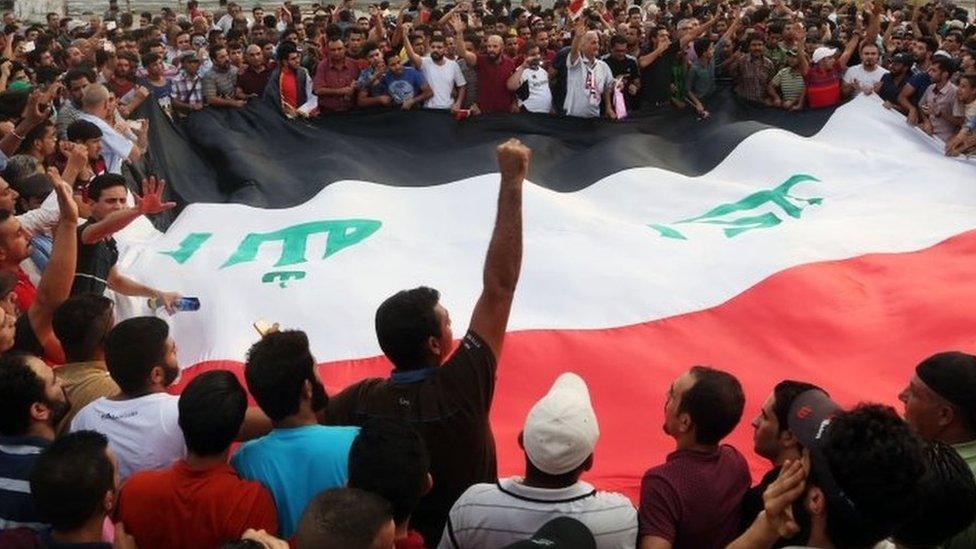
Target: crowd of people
95, 450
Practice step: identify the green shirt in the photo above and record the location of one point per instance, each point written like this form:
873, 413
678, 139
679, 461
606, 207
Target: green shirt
790, 83
967, 538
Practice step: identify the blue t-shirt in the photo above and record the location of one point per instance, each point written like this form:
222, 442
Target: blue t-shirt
403, 86
920, 80
295, 465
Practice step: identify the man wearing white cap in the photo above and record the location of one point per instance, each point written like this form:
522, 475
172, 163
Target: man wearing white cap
559, 435
823, 78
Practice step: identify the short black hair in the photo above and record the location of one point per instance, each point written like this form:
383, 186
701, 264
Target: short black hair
877, 461
133, 348
618, 39
946, 503
82, 323
212, 408
150, 58
715, 403
389, 458
701, 46
35, 133
83, 130
276, 368
285, 49
945, 64
70, 479
783, 395
105, 181
20, 388
404, 323
342, 518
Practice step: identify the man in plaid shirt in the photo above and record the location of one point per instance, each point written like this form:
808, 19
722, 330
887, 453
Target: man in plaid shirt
188, 85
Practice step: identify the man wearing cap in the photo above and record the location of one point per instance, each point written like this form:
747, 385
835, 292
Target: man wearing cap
773, 441
939, 407
188, 85
823, 77
899, 73
861, 470
559, 435
559, 533
694, 498
866, 77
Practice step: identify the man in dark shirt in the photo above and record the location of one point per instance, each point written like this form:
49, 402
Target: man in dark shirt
655, 67
623, 65
896, 78
774, 441
254, 78
447, 397
97, 253
32, 402
694, 498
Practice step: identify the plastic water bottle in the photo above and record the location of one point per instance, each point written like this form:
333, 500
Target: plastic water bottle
181, 304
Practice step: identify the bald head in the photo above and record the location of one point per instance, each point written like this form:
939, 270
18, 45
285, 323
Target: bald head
94, 98
494, 45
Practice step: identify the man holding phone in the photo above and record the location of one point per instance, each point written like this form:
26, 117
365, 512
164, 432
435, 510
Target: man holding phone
530, 82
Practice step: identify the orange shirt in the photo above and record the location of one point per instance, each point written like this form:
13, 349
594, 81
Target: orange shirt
183, 507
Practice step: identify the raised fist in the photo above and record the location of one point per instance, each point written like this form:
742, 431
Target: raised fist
513, 158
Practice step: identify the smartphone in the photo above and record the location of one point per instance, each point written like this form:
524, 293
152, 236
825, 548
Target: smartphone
29, 46
265, 327
110, 25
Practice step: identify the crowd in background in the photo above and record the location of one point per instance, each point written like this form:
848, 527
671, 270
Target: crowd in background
95, 451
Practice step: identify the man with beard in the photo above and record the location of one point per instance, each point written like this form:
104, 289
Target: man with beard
694, 498
32, 402
866, 77
443, 75
299, 458
493, 67
141, 422
70, 110
893, 82
290, 85
220, 82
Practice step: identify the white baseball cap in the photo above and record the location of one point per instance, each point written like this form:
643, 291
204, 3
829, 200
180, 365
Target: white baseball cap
561, 430
822, 53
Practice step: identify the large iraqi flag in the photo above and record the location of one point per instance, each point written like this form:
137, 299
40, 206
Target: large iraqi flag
833, 247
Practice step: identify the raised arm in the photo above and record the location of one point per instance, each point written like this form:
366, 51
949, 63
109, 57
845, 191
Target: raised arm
415, 59
645, 61
578, 33
55, 284
693, 35
504, 258
151, 202
470, 58
845, 56
33, 115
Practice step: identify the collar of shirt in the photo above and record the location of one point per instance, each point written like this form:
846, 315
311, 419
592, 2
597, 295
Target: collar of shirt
516, 486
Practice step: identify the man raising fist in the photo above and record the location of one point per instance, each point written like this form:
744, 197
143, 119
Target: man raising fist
446, 396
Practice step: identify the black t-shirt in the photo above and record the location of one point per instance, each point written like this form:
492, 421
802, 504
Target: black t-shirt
25, 339
94, 263
626, 66
656, 78
448, 406
752, 505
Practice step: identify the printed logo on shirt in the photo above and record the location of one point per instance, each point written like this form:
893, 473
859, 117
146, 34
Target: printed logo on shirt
109, 416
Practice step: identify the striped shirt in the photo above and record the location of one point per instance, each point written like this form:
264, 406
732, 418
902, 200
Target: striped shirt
17, 458
790, 83
496, 515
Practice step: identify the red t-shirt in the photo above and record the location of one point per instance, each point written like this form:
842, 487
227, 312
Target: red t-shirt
413, 541
183, 507
25, 291
823, 87
289, 88
493, 93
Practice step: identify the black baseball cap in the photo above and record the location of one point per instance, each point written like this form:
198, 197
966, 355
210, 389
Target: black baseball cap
903, 58
559, 533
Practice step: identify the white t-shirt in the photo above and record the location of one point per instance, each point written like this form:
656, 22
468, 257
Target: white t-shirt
864, 78
442, 80
143, 433
540, 97
115, 146
496, 515
585, 84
